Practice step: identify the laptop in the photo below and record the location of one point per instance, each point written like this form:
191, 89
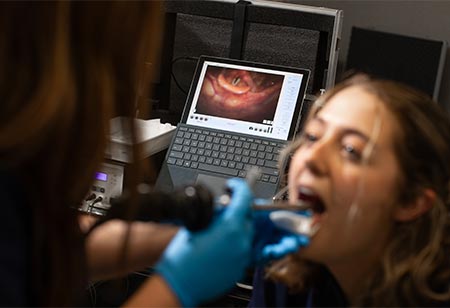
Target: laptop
238, 114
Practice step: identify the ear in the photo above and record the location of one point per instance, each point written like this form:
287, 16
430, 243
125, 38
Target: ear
416, 208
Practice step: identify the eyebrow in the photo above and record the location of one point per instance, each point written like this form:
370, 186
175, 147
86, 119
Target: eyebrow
345, 130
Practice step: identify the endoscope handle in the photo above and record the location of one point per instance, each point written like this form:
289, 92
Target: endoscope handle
191, 206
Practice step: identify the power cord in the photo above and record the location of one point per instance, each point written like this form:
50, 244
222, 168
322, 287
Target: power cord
175, 60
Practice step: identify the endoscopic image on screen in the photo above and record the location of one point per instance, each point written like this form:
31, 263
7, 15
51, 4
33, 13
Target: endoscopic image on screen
239, 94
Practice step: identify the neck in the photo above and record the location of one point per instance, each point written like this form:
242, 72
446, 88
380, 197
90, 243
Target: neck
351, 285
352, 276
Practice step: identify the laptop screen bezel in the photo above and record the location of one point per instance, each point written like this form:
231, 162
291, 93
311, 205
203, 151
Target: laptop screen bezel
300, 98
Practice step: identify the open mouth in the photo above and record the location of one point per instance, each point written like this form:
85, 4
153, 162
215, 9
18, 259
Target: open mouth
315, 203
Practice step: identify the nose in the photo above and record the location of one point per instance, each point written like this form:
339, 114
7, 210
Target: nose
317, 156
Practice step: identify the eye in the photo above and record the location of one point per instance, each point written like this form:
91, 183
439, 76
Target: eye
313, 131
351, 152
310, 137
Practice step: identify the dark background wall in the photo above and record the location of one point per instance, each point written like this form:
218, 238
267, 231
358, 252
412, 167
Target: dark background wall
419, 18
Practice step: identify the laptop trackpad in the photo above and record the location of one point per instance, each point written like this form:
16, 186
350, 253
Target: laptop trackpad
214, 183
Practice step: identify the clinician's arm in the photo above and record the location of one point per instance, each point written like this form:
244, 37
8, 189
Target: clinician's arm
104, 247
199, 266
154, 292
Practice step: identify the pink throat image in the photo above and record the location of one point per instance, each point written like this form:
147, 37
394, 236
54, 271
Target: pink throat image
239, 94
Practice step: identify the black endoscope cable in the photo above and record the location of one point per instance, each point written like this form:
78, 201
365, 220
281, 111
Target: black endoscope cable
173, 74
191, 206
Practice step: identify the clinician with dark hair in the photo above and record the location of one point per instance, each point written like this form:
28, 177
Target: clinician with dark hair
67, 68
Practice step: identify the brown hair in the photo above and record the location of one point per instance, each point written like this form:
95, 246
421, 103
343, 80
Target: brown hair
415, 268
67, 68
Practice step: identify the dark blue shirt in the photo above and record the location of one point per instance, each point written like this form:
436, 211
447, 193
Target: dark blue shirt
15, 244
269, 294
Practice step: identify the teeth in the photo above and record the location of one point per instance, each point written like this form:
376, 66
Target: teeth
306, 191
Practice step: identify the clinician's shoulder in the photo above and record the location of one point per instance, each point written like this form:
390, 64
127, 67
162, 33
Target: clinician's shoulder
13, 208
14, 243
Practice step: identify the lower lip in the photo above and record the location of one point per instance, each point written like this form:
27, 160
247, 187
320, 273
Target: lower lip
316, 219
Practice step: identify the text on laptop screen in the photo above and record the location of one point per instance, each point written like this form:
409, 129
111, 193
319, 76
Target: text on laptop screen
244, 99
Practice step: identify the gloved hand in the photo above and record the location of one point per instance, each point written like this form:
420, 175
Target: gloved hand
271, 242
202, 265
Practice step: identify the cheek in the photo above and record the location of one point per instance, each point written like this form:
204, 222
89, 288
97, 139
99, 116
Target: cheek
353, 230
363, 211
367, 228
378, 190
365, 188
346, 189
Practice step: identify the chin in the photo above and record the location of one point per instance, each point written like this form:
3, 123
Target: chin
316, 251
310, 253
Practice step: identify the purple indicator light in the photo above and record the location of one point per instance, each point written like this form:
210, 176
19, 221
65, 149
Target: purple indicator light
101, 176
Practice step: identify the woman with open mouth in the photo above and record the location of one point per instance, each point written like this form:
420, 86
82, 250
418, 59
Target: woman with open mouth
373, 162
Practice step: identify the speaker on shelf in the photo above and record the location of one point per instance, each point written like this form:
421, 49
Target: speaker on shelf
415, 61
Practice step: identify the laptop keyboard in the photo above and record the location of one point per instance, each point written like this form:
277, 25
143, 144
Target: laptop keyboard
225, 153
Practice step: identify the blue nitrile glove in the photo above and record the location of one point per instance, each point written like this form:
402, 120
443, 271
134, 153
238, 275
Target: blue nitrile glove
199, 266
270, 242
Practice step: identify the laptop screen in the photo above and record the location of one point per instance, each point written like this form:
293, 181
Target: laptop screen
245, 97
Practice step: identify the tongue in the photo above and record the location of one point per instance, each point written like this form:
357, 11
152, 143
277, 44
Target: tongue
313, 201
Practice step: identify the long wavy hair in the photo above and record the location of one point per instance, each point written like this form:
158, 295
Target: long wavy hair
415, 267
67, 68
